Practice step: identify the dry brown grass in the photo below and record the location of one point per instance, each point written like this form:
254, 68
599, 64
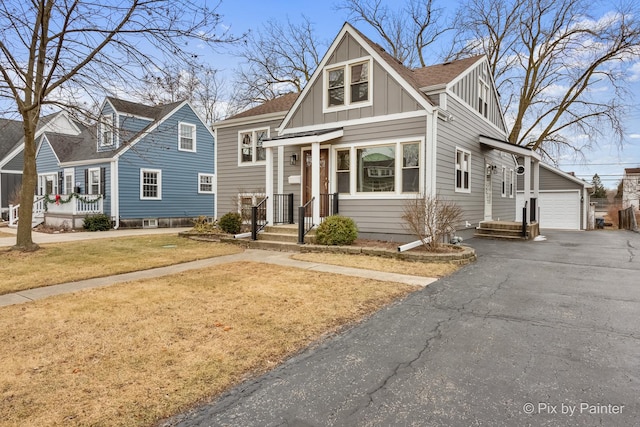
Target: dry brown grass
3, 234
67, 262
391, 265
134, 353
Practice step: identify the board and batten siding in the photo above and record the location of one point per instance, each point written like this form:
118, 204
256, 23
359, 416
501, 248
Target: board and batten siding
467, 89
247, 178
388, 95
159, 151
463, 132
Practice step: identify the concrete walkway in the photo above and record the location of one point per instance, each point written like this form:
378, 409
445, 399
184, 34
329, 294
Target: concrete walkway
270, 257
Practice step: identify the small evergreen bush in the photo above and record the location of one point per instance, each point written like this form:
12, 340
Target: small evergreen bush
98, 222
230, 222
337, 230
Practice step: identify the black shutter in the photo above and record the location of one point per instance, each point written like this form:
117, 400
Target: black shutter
60, 182
103, 178
86, 181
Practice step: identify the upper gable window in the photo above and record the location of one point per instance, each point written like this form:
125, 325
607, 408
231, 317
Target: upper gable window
106, 130
250, 145
483, 91
348, 85
186, 137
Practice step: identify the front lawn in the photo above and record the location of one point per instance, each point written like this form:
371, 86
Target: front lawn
135, 353
68, 262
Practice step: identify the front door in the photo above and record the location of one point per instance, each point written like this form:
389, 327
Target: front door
324, 179
488, 192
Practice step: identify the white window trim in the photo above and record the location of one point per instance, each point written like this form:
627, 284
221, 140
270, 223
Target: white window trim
255, 198
90, 181
103, 123
68, 172
42, 188
455, 164
254, 146
194, 129
157, 171
213, 183
347, 85
503, 189
353, 163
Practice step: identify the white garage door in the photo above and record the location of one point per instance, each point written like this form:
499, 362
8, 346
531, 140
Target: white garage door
558, 209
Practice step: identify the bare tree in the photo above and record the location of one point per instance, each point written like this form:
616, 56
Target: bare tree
407, 32
560, 70
278, 59
55, 52
431, 218
199, 84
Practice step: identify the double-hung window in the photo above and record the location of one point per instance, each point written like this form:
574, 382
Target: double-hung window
106, 130
205, 183
348, 85
68, 181
186, 137
410, 168
93, 183
463, 171
343, 169
150, 184
251, 146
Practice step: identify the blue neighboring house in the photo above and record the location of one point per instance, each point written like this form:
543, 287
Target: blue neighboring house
145, 166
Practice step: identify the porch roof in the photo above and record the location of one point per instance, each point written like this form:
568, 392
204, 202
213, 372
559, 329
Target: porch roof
508, 147
300, 138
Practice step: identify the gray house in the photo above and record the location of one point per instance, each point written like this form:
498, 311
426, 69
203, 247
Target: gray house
368, 134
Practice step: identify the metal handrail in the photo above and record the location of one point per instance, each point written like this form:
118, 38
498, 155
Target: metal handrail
283, 208
305, 223
258, 218
328, 205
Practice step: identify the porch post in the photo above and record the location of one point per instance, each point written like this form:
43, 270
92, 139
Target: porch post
280, 169
527, 181
269, 184
315, 181
536, 186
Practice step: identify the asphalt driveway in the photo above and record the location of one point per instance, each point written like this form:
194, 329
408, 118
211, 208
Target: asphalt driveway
533, 333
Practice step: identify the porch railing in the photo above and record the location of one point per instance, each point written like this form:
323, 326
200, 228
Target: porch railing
329, 204
305, 220
283, 208
78, 205
258, 218
38, 210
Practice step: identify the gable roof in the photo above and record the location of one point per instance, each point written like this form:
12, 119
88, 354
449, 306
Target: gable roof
70, 148
154, 112
444, 73
417, 79
280, 104
12, 132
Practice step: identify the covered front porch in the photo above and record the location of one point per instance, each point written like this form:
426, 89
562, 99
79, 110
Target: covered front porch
305, 153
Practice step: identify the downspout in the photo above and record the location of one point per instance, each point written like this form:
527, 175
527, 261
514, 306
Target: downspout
115, 194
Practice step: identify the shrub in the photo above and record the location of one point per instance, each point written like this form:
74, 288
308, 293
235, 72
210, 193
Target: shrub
337, 230
230, 222
202, 225
99, 222
430, 218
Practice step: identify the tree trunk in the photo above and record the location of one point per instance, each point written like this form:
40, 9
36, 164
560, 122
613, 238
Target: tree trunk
24, 240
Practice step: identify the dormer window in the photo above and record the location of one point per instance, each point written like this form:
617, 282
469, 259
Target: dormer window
348, 85
106, 130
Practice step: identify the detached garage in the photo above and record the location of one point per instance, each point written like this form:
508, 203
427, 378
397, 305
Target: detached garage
563, 200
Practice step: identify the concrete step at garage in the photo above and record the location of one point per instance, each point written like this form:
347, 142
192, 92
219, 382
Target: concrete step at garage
509, 230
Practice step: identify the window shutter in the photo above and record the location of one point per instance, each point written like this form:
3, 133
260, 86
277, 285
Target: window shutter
60, 182
103, 178
86, 181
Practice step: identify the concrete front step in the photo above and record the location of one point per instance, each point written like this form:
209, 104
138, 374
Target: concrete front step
499, 232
